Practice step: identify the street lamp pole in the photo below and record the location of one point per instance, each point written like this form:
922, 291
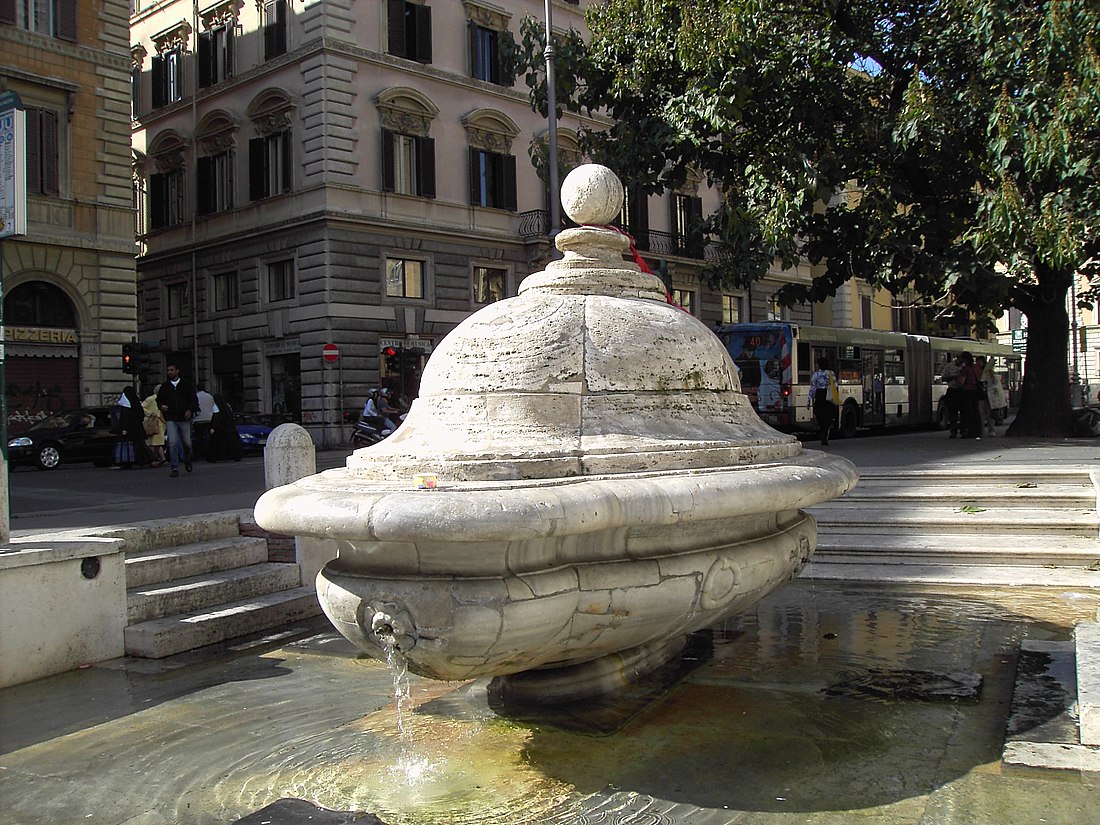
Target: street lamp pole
552, 123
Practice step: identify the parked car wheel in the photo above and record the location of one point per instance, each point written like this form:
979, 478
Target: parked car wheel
48, 457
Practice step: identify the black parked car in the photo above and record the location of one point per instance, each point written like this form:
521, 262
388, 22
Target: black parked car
74, 435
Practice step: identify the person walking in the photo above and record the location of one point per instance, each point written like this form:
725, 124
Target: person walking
986, 378
824, 399
225, 442
970, 423
179, 403
155, 428
200, 433
950, 377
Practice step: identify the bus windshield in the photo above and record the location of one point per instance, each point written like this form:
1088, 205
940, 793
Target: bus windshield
763, 359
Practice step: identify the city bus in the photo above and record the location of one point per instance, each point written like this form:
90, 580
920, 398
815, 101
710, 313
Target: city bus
886, 379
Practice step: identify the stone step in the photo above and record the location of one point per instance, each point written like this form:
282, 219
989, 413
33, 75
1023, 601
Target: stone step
169, 563
150, 535
961, 575
157, 638
980, 474
985, 494
888, 517
839, 547
196, 593
1086, 641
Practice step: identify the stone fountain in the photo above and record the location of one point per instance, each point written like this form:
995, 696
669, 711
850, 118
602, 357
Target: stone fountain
579, 485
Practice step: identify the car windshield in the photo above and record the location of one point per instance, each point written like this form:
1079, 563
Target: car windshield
61, 420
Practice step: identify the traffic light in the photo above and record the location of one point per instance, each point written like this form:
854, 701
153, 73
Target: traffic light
393, 359
129, 359
410, 359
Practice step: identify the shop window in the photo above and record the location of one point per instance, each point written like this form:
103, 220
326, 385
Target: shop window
404, 278
286, 387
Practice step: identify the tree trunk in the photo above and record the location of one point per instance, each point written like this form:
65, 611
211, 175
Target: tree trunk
1045, 403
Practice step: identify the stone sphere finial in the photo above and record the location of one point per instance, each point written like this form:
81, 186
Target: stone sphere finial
592, 194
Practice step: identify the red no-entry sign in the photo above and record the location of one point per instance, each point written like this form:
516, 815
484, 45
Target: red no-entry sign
330, 352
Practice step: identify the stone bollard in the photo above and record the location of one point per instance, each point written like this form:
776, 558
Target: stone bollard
288, 456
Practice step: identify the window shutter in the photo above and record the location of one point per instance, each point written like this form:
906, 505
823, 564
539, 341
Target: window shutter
475, 176
506, 66
160, 84
509, 182
206, 55
695, 229
49, 152
639, 218
228, 51
426, 150
34, 152
280, 27
7, 12
204, 187
423, 30
388, 151
471, 46
397, 28
158, 203
288, 159
257, 169
274, 29
66, 20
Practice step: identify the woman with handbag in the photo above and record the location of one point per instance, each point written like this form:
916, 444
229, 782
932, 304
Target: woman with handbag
130, 449
824, 399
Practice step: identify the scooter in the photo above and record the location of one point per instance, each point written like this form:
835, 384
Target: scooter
368, 430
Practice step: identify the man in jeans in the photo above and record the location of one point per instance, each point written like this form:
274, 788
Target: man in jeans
179, 403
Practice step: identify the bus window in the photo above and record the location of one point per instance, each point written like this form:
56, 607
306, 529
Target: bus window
808, 356
895, 366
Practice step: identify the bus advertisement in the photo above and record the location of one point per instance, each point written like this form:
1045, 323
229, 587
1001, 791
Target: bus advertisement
886, 379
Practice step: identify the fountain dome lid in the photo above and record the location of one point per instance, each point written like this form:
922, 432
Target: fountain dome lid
588, 370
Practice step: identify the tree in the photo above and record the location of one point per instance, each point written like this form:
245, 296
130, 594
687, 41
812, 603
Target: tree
946, 147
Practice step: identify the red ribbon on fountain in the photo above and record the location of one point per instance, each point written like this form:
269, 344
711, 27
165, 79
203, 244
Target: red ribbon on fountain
638, 259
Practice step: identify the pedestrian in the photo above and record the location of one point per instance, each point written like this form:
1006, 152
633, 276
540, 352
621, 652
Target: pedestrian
824, 398
130, 448
970, 422
179, 403
224, 443
950, 377
201, 429
155, 428
986, 378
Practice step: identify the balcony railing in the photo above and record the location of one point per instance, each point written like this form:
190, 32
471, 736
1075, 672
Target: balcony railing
536, 224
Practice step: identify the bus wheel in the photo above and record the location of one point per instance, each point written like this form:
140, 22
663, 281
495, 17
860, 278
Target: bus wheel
849, 421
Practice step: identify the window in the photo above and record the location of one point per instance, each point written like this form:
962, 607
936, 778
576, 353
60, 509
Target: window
487, 57
404, 278
732, 309
687, 214
215, 55
226, 290
684, 298
43, 155
269, 165
492, 179
281, 282
179, 301
635, 216
53, 18
408, 164
488, 284
865, 311
410, 30
215, 183
166, 198
274, 28
167, 77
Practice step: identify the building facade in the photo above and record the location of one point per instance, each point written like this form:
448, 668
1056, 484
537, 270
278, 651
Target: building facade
319, 182
69, 297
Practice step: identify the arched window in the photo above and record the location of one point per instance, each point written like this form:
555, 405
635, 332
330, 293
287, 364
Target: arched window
270, 154
214, 176
38, 304
408, 153
166, 185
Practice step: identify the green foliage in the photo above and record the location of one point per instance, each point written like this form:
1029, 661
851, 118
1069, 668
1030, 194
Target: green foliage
948, 146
